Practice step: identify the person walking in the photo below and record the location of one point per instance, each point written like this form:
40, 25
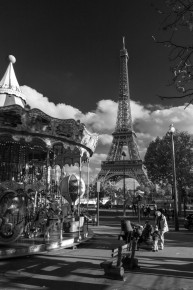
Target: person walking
161, 222
155, 237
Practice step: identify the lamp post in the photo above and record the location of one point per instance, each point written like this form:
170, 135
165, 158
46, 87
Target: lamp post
98, 191
172, 131
124, 155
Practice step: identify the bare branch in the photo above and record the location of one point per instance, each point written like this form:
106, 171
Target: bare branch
175, 97
178, 14
188, 104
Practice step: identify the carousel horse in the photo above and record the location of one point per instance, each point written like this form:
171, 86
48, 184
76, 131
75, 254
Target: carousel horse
12, 215
19, 217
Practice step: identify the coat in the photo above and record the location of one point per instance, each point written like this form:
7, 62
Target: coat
156, 235
162, 224
126, 226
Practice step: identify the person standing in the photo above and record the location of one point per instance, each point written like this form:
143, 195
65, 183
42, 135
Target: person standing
148, 211
127, 228
155, 237
155, 209
161, 223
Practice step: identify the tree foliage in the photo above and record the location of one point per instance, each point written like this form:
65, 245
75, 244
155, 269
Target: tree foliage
176, 32
158, 159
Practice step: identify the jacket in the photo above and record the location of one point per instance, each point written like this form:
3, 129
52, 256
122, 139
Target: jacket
156, 235
162, 224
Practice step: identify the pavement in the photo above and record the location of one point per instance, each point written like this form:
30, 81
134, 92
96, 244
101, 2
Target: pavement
168, 269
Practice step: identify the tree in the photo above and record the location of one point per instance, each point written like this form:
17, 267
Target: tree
176, 33
158, 160
93, 191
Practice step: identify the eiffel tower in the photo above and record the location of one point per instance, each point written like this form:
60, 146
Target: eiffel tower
117, 166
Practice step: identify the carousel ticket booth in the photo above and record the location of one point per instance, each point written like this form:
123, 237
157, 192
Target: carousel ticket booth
34, 149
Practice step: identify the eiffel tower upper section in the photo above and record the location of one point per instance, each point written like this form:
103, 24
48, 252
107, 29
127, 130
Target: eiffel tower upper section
124, 134
124, 137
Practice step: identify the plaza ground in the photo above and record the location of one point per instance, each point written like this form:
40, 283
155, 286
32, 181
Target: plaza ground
171, 269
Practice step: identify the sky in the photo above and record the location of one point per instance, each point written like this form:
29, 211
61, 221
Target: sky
67, 61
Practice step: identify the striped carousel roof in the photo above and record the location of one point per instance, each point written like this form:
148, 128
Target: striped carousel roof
10, 91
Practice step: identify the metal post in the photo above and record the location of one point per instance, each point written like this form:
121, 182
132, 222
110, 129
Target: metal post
79, 189
62, 218
139, 212
124, 193
47, 175
97, 208
123, 154
184, 207
98, 190
174, 184
88, 182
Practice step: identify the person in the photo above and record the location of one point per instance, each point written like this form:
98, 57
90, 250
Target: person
137, 234
128, 229
148, 211
144, 211
134, 209
155, 209
161, 222
147, 231
155, 237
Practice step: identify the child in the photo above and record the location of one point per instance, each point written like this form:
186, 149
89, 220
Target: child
156, 237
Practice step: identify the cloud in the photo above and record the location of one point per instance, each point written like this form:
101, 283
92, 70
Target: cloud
37, 100
149, 121
103, 119
105, 139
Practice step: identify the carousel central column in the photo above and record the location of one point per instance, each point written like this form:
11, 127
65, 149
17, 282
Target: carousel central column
62, 217
48, 143
47, 173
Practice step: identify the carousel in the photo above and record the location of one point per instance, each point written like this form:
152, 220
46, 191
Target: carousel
37, 197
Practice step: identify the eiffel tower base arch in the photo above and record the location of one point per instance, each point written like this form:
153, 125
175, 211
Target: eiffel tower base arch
118, 170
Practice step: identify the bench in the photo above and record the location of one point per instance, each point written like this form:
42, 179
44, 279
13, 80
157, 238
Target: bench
112, 266
121, 249
121, 260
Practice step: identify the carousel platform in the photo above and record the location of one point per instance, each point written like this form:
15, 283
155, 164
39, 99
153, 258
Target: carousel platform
32, 246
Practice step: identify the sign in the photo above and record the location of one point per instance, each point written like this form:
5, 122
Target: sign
98, 186
168, 196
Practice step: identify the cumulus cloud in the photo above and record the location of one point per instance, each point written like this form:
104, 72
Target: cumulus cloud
105, 139
103, 119
37, 100
149, 121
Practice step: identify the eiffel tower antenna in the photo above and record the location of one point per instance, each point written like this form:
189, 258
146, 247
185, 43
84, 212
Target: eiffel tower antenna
123, 42
117, 165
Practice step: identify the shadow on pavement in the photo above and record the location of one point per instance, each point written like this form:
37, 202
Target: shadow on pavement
167, 266
53, 273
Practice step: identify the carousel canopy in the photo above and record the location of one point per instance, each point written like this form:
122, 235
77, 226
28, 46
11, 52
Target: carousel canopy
10, 92
68, 137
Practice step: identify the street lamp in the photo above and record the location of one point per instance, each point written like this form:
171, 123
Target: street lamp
172, 131
124, 155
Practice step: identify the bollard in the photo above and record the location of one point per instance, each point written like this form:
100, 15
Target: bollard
119, 256
130, 263
114, 272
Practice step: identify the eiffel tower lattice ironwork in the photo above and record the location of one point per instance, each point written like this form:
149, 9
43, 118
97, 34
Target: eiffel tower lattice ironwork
116, 166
